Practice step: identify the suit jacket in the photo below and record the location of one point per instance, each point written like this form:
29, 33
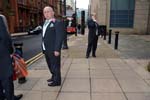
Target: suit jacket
92, 29
54, 36
6, 49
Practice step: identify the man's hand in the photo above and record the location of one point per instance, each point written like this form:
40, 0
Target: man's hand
93, 17
56, 53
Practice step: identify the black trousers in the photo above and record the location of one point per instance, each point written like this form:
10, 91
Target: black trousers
7, 89
92, 45
54, 64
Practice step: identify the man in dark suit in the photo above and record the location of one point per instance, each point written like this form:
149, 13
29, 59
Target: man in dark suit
6, 69
52, 38
92, 36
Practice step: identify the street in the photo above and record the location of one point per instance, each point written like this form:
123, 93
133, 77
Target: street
31, 45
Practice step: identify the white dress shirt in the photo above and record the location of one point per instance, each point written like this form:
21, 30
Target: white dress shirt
46, 23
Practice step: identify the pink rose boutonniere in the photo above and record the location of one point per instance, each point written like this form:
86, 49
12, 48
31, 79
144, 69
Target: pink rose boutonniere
53, 20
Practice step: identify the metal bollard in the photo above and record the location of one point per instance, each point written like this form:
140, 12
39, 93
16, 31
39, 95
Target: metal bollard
105, 31
19, 51
109, 36
116, 39
65, 44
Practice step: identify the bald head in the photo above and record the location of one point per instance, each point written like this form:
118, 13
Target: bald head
48, 12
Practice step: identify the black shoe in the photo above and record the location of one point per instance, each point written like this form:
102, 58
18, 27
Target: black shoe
54, 84
94, 56
18, 97
22, 80
50, 80
87, 56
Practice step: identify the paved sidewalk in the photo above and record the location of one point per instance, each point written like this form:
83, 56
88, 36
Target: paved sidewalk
133, 46
107, 77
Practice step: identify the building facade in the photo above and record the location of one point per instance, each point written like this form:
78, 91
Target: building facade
126, 16
25, 14
70, 3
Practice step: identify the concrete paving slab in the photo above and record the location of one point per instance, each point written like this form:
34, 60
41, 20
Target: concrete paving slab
139, 68
138, 96
16, 84
42, 85
108, 96
98, 61
24, 92
79, 66
39, 65
148, 81
74, 96
134, 85
31, 82
76, 85
98, 64
142, 72
49, 95
33, 95
126, 74
143, 62
116, 62
78, 74
104, 74
68, 60
132, 63
99, 67
105, 85
39, 73
80, 61
66, 65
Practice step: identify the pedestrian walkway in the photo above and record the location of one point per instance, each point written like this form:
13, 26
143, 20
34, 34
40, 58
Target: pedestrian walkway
106, 77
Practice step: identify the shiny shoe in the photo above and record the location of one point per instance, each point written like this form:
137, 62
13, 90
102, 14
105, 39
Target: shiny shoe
54, 84
18, 97
49, 80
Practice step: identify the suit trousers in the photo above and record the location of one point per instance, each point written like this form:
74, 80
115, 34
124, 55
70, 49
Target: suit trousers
53, 63
92, 45
7, 89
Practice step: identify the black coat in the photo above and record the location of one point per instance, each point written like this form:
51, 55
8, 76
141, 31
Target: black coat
92, 29
6, 49
54, 37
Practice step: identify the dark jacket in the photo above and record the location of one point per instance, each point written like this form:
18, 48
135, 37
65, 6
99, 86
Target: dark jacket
54, 36
6, 49
92, 29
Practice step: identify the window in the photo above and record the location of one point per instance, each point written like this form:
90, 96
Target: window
122, 13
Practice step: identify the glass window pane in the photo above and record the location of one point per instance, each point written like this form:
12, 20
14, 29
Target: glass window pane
122, 13
114, 5
122, 4
132, 4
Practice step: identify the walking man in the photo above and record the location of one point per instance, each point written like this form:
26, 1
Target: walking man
52, 38
92, 36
